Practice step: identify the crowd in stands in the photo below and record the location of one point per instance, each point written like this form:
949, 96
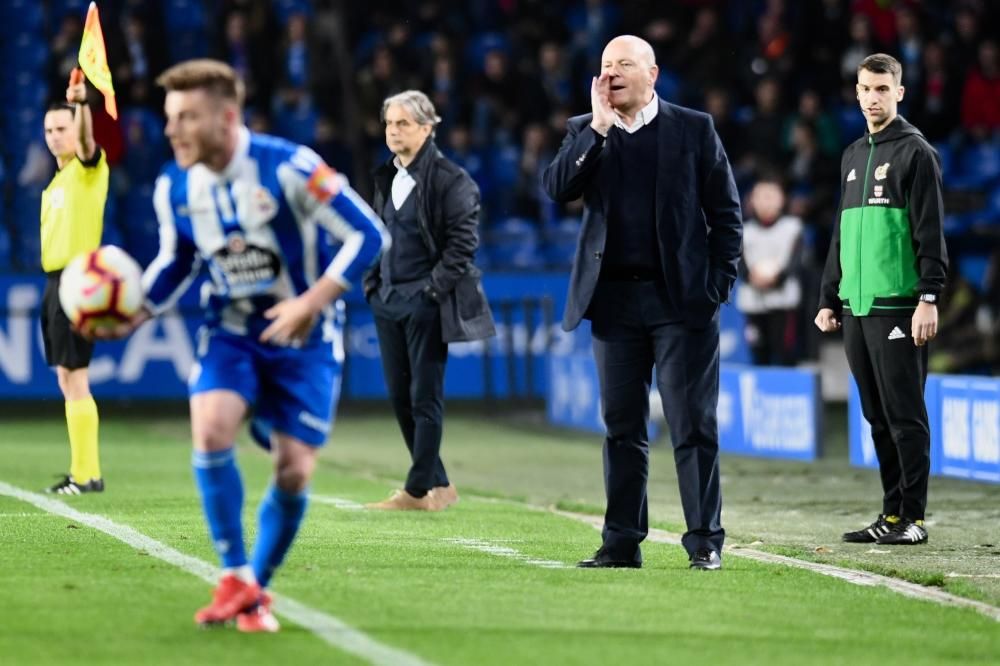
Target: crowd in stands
777, 76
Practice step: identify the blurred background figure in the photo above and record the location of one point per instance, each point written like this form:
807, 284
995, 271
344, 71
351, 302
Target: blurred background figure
770, 294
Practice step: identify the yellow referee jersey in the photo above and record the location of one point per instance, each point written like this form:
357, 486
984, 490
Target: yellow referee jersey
73, 211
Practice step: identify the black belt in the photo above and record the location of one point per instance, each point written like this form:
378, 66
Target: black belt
630, 274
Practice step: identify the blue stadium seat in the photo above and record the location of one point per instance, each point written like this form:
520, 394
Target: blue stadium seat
296, 124
850, 121
973, 267
25, 209
187, 45
955, 224
504, 160
993, 203
27, 251
30, 97
112, 235
668, 84
513, 244
137, 223
184, 15
60, 8
146, 147
481, 44
978, 166
22, 15
5, 247
29, 53
366, 46
947, 157
285, 8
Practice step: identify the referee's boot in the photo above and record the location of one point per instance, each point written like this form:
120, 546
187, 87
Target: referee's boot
70, 486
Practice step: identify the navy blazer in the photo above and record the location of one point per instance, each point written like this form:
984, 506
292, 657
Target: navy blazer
699, 227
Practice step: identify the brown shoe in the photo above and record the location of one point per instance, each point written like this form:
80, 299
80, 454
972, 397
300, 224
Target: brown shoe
400, 500
445, 496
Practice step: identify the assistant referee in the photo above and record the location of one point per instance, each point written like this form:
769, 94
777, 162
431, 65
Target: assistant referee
72, 217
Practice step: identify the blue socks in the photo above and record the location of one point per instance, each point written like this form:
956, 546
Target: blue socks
280, 516
218, 480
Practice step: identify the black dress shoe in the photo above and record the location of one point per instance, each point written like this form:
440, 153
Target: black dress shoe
602, 559
706, 559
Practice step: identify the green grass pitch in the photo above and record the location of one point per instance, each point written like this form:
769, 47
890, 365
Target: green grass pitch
479, 583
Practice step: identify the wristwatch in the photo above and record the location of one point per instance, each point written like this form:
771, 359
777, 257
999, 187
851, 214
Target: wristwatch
929, 298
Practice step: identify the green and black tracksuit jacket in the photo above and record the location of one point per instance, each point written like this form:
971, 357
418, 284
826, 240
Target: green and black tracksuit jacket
888, 243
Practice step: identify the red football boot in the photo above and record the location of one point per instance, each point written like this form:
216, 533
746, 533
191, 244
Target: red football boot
231, 597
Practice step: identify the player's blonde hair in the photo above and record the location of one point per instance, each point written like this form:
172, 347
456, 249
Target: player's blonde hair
213, 76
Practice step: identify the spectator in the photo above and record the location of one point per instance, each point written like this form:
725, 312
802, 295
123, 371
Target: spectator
811, 111
770, 294
981, 96
764, 129
909, 45
934, 108
860, 44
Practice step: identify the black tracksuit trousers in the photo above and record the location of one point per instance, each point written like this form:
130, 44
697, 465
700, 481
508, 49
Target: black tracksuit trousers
890, 372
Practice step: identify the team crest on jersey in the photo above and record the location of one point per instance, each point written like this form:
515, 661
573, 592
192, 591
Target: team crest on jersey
880, 171
852, 176
263, 202
878, 190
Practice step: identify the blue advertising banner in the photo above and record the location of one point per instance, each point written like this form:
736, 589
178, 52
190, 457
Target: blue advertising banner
154, 362
964, 416
574, 394
969, 433
769, 412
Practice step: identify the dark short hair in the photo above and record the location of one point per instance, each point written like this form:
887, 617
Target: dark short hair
61, 106
883, 63
213, 76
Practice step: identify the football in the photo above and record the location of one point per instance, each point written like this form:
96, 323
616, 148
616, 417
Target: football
101, 289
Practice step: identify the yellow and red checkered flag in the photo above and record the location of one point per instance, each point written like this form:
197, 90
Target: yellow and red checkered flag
94, 60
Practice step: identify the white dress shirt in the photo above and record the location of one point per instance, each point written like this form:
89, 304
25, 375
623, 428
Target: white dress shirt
643, 118
402, 184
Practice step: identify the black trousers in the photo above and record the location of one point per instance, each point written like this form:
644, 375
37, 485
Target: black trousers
773, 337
413, 361
890, 372
632, 332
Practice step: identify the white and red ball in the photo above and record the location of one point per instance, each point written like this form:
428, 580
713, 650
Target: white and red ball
101, 289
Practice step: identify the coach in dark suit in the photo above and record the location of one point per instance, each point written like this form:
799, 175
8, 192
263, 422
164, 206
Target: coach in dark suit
657, 254
425, 292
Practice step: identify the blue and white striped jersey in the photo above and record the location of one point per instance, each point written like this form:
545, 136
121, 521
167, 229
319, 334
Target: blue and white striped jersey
267, 227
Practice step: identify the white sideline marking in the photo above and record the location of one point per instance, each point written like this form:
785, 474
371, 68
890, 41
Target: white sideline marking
484, 546
959, 575
339, 502
863, 578
327, 627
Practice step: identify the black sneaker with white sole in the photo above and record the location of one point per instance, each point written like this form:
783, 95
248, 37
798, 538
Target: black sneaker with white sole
872, 533
904, 533
69, 486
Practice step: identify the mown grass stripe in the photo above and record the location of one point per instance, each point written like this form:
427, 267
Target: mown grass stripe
328, 628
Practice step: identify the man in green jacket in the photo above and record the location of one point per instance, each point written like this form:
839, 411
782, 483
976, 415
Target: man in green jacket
885, 270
